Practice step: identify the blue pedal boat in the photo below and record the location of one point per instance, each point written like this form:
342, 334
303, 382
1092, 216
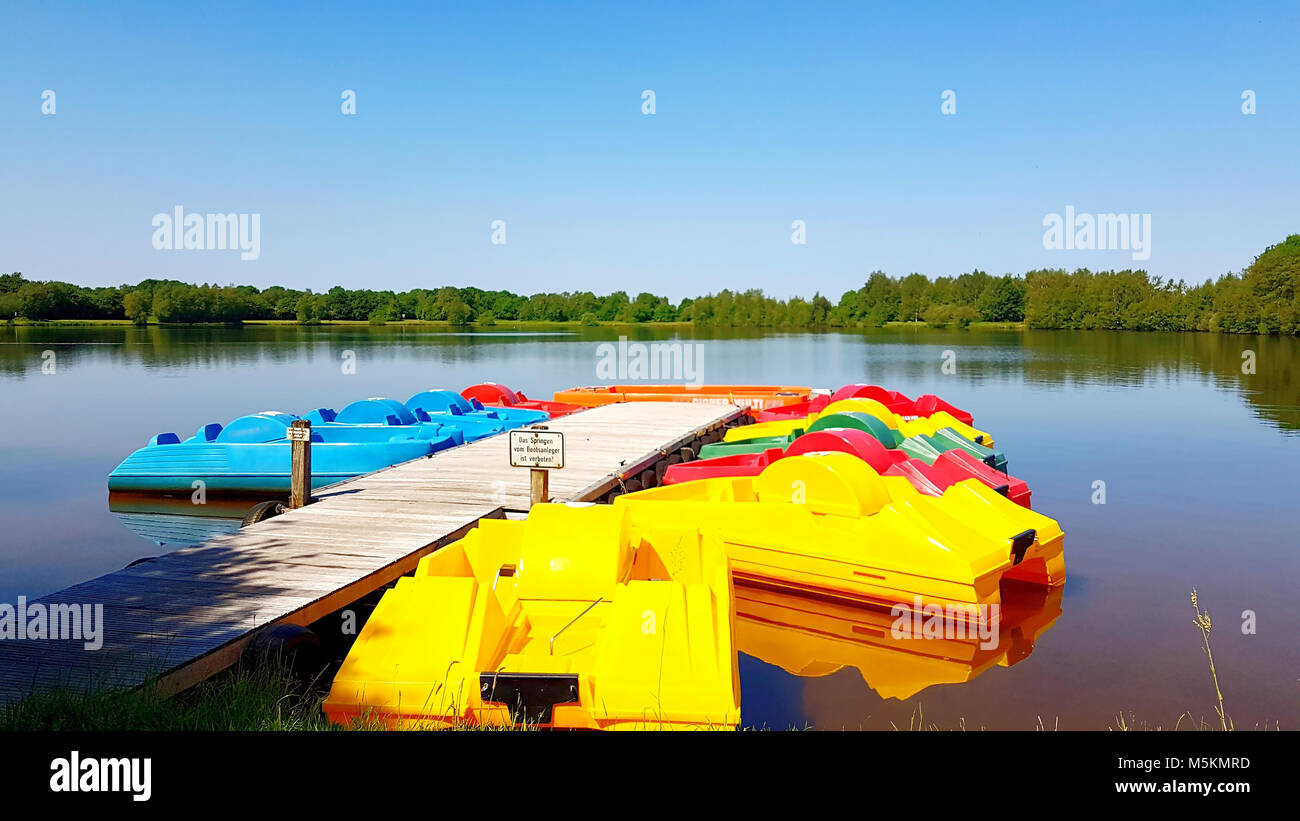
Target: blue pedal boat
252, 455
389, 413
440, 403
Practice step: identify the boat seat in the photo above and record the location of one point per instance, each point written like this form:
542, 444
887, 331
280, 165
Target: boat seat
321, 416
376, 411
846, 440
857, 420
831, 483
573, 553
208, 433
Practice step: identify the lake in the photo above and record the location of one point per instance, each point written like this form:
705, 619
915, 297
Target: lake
1198, 460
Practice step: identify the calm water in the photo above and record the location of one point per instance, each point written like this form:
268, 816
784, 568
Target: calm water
1198, 459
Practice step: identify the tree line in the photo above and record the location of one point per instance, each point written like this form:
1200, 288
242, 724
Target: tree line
1260, 299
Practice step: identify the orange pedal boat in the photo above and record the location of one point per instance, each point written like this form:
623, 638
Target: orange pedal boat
753, 398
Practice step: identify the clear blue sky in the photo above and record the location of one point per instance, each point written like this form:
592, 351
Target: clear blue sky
468, 113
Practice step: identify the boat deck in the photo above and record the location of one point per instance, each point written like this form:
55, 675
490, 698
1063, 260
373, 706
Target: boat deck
183, 616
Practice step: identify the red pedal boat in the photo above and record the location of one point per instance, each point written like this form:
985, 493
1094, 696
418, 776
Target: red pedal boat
895, 401
493, 395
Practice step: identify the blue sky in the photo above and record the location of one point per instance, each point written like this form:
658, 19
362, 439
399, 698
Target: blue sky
531, 113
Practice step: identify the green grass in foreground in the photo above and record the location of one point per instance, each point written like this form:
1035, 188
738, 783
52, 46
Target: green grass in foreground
265, 697
262, 698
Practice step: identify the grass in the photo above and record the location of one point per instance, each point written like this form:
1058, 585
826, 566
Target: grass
1203, 622
1187, 720
258, 698
264, 697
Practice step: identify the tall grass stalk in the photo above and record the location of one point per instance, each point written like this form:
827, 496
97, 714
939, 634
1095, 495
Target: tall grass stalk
1202, 621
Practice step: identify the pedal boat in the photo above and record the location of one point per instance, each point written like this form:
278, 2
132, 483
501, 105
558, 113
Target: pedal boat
252, 455
926, 448
896, 402
920, 426
829, 524
492, 395
440, 404
932, 479
564, 620
380, 413
753, 398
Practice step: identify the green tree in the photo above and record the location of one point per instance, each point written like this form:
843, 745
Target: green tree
312, 308
1001, 300
137, 305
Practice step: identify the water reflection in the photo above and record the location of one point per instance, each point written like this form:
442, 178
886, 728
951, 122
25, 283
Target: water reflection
1050, 358
173, 522
814, 638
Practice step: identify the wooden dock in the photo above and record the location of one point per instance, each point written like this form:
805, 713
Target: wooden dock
188, 614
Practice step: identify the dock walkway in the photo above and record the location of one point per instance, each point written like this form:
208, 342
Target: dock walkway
185, 615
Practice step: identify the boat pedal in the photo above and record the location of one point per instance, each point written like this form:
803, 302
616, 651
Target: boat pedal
1020, 544
530, 697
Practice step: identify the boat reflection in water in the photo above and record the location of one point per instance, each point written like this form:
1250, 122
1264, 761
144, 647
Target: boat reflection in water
813, 637
176, 521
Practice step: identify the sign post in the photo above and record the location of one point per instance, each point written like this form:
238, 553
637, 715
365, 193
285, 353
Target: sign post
300, 477
543, 451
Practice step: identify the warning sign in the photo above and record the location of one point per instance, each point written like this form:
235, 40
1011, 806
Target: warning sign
537, 449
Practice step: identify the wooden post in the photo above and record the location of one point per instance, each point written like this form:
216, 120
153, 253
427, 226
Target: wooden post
300, 479
540, 490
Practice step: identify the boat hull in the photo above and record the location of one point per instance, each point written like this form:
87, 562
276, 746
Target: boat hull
262, 468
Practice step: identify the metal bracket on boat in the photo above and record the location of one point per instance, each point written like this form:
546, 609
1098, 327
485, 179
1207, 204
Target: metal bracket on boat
1020, 543
572, 621
529, 696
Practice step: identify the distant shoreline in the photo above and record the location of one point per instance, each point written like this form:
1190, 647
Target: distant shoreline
500, 323
1262, 299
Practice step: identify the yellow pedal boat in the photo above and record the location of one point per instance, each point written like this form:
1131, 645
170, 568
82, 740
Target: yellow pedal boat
564, 620
828, 524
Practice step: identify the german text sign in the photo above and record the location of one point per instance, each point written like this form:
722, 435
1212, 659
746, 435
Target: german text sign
536, 449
